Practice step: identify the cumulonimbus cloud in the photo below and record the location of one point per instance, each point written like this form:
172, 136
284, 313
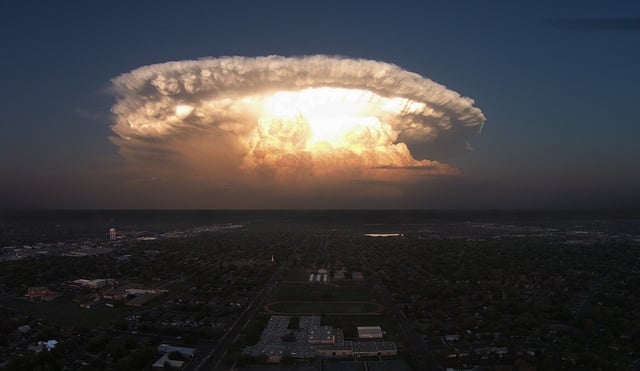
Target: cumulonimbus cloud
285, 120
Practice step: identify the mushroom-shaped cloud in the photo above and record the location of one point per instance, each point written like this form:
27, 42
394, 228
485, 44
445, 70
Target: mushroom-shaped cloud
303, 122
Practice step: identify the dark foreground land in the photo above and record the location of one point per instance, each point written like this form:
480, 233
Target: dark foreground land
451, 289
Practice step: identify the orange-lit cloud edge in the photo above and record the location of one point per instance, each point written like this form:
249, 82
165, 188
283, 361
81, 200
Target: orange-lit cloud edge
298, 124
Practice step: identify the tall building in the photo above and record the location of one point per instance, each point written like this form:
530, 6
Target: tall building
112, 234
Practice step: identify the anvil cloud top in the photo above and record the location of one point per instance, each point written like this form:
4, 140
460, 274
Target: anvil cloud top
281, 120
319, 104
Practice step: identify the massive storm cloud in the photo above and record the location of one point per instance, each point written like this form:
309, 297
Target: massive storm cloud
280, 121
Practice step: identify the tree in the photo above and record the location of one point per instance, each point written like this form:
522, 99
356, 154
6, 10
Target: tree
287, 360
294, 323
289, 338
116, 349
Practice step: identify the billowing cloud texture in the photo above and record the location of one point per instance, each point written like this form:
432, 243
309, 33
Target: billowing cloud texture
285, 122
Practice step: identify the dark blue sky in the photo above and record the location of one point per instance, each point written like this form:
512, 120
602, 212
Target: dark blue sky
561, 104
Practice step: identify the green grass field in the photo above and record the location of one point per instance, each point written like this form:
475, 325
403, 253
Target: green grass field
294, 275
318, 292
326, 307
342, 304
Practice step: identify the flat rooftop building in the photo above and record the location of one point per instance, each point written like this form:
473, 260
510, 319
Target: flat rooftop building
369, 332
310, 339
366, 349
184, 351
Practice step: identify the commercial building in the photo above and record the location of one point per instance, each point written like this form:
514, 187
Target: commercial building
369, 365
184, 351
95, 283
369, 332
41, 293
344, 349
366, 349
310, 339
164, 360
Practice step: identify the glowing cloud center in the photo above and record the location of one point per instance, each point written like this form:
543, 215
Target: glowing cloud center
286, 118
335, 115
